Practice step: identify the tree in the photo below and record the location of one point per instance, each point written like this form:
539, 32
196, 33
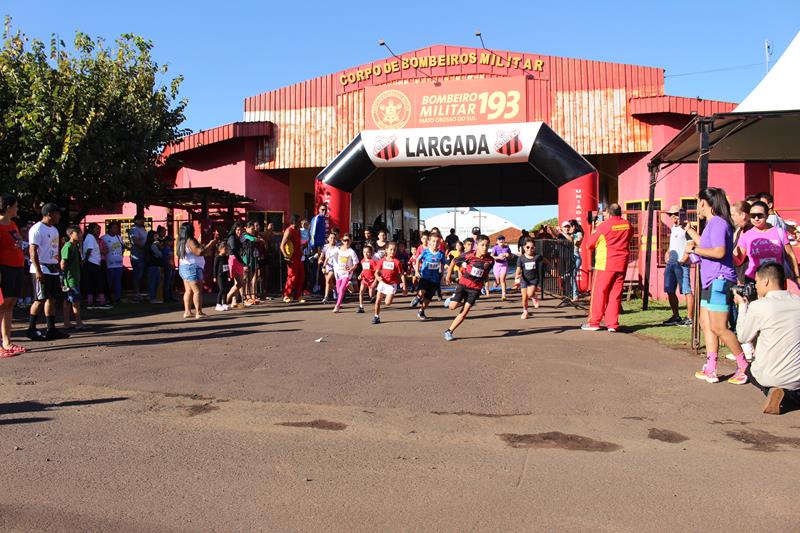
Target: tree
83, 128
550, 221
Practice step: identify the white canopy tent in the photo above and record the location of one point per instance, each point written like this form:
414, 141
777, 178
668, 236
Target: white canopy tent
765, 127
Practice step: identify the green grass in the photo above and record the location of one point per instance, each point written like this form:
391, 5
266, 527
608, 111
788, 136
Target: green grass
648, 324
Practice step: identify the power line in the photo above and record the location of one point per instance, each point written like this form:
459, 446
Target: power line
724, 69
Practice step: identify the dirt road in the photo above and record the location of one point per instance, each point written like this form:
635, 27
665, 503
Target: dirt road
243, 422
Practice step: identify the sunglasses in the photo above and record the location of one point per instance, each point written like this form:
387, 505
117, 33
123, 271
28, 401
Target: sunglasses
758, 215
345, 240
528, 247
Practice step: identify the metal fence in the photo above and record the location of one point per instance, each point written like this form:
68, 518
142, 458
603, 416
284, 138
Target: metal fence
559, 267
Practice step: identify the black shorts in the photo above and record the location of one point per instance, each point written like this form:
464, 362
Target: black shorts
11, 281
430, 287
524, 283
48, 289
466, 295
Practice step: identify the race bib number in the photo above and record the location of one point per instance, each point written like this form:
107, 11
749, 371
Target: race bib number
530, 266
343, 259
224, 268
388, 265
365, 265
476, 272
433, 266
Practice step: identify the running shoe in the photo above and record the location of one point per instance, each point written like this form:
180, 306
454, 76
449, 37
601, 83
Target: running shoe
35, 335
55, 334
422, 316
376, 320
447, 302
336, 309
673, 321
524, 315
8, 353
739, 378
709, 376
589, 327
325, 301
612, 330
448, 335
414, 302
360, 309
535, 303
774, 400
225, 307
686, 322
218, 308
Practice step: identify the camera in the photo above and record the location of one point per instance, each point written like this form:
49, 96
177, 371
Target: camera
746, 291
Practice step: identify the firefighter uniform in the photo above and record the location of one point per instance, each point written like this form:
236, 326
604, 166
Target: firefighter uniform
610, 242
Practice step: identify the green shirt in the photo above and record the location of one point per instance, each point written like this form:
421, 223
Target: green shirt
72, 273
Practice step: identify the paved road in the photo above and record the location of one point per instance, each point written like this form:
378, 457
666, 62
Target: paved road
243, 422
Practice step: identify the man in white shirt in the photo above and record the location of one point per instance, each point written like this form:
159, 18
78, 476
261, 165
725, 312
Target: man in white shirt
676, 273
138, 236
45, 270
114, 259
773, 323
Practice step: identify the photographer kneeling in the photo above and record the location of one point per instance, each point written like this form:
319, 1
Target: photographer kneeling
773, 323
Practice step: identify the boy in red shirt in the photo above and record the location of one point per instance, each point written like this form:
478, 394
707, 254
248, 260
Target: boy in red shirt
475, 268
388, 273
367, 277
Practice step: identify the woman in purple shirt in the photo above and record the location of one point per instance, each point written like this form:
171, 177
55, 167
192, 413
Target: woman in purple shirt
714, 251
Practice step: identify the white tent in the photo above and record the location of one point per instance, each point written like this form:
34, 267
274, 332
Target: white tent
780, 88
463, 219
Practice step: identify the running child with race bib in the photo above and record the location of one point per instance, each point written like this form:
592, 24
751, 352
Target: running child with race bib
475, 268
428, 270
388, 273
529, 272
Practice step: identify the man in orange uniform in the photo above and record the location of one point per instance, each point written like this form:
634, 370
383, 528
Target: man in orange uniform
292, 251
610, 242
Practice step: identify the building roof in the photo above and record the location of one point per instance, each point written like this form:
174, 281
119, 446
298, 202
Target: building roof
225, 132
511, 233
191, 198
778, 90
679, 105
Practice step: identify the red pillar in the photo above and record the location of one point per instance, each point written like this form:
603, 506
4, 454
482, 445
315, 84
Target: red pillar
575, 200
338, 205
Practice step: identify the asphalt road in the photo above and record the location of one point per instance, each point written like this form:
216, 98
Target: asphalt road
243, 422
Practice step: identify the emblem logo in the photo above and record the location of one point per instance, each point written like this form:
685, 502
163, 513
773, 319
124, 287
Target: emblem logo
391, 110
508, 142
386, 147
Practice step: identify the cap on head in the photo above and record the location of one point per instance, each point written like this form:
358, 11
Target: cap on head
673, 210
49, 208
565, 224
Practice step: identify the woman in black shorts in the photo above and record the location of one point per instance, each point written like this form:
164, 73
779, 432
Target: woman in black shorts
12, 261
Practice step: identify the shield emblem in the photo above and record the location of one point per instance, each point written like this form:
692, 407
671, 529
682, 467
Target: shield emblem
508, 142
386, 148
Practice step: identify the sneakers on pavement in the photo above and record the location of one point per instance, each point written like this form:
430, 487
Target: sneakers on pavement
739, 378
360, 309
376, 320
447, 302
414, 302
612, 330
709, 376
448, 335
422, 316
55, 334
35, 335
686, 322
524, 315
589, 327
219, 308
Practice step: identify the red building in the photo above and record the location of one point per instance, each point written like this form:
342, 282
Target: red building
615, 115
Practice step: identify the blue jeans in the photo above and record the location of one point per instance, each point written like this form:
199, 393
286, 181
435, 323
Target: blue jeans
574, 278
153, 281
114, 277
137, 265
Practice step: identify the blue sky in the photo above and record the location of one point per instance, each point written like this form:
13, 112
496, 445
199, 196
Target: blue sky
230, 50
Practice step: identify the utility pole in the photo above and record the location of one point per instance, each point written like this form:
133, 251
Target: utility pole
767, 53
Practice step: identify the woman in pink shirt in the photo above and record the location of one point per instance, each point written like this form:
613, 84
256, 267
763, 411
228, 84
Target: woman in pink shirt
765, 243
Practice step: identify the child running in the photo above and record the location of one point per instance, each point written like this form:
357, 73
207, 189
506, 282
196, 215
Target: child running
475, 269
325, 266
388, 272
454, 267
366, 278
529, 268
345, 261
429, 272
222, 276
500, 253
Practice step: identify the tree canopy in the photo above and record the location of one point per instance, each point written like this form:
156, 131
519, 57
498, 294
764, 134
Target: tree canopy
551, 221
83, 127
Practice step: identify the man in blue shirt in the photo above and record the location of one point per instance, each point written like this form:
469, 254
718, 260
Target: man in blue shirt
319, 229
428, 269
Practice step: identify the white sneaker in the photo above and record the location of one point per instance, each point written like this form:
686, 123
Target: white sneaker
219, 308
225, 307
